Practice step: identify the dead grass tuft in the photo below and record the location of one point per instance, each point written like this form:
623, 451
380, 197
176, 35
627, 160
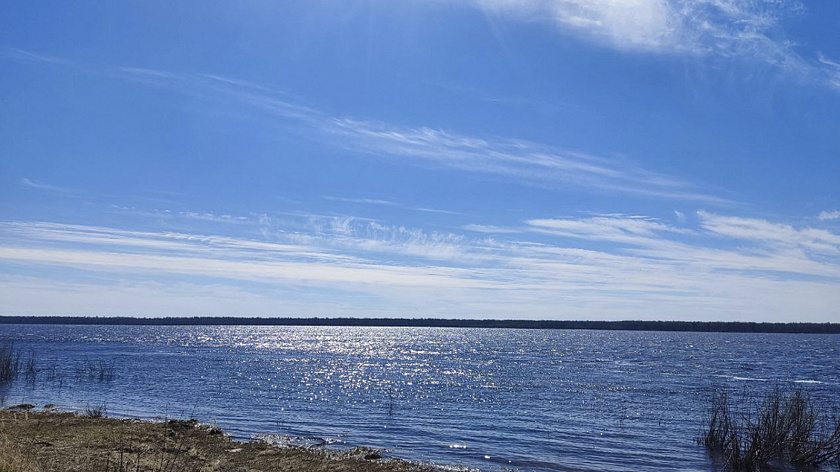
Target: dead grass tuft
785, 425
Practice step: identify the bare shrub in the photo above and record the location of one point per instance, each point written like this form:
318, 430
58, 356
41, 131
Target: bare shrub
784, 425
96, 411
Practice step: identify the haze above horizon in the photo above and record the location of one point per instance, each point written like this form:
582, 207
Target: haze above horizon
542, 159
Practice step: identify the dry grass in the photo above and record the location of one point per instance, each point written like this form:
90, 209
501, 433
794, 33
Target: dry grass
9, 362
13, 458
783, 426
63, 442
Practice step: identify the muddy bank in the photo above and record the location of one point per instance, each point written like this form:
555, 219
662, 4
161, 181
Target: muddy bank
53, 441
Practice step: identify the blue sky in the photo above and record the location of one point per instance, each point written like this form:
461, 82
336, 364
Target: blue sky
532, 159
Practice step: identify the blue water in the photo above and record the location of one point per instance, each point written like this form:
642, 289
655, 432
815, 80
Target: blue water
494, 400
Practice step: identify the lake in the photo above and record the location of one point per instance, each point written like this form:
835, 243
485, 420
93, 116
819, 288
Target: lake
487, 399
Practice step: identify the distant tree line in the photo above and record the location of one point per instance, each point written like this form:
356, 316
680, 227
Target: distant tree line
630, 325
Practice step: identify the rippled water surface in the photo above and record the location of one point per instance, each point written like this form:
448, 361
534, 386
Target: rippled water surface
529, 400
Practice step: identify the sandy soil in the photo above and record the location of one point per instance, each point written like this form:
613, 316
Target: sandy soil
52, 441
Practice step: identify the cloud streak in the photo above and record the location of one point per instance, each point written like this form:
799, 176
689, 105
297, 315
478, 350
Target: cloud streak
387, 203
38, 185
522, 161
519, 160
603, 266
771, 234
29, 56
525, 162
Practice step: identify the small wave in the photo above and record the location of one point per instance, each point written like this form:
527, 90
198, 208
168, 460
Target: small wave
443, 467
807, 382
748, 379
295, 441
457, 446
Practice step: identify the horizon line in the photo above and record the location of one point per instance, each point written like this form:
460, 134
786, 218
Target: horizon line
599, 325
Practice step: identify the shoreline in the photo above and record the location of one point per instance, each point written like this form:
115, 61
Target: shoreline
625, 325
51, 440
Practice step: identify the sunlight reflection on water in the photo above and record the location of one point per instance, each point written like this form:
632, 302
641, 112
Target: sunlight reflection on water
494, 399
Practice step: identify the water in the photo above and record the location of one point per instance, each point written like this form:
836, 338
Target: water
494, 400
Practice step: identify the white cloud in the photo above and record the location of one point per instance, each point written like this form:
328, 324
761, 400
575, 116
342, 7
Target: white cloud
762, 231
605, 266
152, 298
490, 229
619, 229
831, 70
258, 271
829, 215
520, 160
368, 201
746, 29
625, 24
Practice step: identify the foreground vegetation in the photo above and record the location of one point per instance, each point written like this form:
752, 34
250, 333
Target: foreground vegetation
786, 425
13, 363
51, 441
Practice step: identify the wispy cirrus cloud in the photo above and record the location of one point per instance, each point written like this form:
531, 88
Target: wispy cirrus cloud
718, 243
366, 201
520, 160
831, 70
746, 29
602, 266
767, 233
632, 230
269, 100
388, 203
24, 55
40, 185
526, 162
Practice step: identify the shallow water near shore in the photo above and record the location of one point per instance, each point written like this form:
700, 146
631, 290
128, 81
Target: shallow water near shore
492, 399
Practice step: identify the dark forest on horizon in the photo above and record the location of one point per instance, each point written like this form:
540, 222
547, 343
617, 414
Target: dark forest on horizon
629, 325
